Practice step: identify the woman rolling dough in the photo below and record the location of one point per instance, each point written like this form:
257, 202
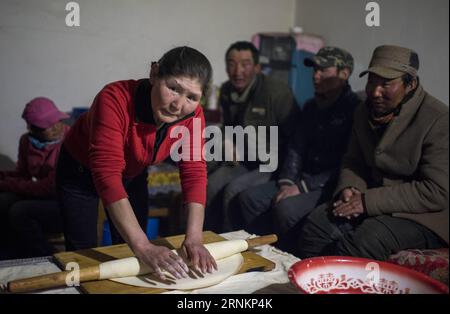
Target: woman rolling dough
109, 148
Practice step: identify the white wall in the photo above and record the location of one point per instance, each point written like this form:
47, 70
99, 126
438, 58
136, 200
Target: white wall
117, 39
422, 25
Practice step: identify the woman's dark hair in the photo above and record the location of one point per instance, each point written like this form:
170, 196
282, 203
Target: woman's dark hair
186, 61
244, 45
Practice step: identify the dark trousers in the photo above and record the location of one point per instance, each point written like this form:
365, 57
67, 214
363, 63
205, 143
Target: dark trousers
25, 222
370, 237
31, 221
224, 184
79, 202
261, 216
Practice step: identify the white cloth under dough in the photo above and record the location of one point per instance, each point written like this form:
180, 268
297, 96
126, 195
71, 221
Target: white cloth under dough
226, 267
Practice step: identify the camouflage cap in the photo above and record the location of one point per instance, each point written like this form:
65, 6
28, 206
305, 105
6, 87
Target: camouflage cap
331, 57
392, 62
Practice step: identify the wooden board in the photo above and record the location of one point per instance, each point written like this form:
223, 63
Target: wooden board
91, 257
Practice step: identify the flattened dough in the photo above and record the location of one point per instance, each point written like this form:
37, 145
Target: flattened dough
226, 267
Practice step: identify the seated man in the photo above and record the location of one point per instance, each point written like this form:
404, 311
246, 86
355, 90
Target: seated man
310, 170
252, 99
392, 192
28, 206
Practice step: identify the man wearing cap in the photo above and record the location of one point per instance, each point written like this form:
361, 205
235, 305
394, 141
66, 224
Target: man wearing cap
28, 205
393, 188
248, 99
310, 170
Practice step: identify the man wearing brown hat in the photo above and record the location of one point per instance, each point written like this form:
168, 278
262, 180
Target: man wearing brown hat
393, 187
311, 167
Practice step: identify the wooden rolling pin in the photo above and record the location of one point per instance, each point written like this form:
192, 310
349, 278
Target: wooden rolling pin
133, 267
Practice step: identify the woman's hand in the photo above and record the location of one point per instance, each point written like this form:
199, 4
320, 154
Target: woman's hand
198, 256
192, 248
160, 258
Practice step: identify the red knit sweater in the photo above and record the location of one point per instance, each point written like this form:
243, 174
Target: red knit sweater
108, 140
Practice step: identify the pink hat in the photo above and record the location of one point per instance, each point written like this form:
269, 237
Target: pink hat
42, 112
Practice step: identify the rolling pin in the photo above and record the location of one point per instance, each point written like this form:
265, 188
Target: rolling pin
126, 267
